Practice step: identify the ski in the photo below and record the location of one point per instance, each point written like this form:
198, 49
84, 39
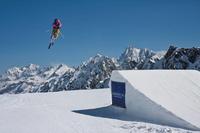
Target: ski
51, 42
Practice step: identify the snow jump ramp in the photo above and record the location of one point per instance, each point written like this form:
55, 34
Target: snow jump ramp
167, 97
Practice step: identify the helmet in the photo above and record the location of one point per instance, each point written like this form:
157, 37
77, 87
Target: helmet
56, 20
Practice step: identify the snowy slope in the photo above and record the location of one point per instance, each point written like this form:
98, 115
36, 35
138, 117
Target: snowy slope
174, 91
83, 111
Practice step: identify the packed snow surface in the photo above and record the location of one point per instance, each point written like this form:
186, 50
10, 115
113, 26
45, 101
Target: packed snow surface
82, 111
171, 95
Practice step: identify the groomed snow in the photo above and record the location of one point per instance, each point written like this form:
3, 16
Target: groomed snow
83, 111
171, 97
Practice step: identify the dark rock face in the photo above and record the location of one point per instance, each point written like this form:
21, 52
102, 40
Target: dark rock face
170, 51
182, 58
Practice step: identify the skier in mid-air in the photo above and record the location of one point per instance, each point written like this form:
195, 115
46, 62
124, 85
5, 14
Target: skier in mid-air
55, 32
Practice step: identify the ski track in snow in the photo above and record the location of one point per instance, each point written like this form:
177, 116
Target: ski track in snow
63, 112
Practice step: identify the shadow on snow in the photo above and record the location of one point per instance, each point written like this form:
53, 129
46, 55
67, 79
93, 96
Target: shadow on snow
113, 112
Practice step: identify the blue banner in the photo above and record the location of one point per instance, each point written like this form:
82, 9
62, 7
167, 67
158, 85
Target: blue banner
118, 94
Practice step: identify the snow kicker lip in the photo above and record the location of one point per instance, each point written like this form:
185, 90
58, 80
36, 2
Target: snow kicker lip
148, 98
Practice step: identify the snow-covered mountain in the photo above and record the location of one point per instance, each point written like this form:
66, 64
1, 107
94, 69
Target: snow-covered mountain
96, 71
174, 58
33, 78
93, 73
134, 58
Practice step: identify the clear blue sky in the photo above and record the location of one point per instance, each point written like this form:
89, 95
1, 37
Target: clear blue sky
93, 26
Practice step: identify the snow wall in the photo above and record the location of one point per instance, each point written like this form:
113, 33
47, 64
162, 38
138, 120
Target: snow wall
167, 97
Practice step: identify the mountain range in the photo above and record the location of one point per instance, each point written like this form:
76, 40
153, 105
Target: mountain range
96, 71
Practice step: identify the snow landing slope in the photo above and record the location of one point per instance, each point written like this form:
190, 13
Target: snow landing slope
82, 111
170, 97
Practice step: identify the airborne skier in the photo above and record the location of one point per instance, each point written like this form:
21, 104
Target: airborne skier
55, 32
